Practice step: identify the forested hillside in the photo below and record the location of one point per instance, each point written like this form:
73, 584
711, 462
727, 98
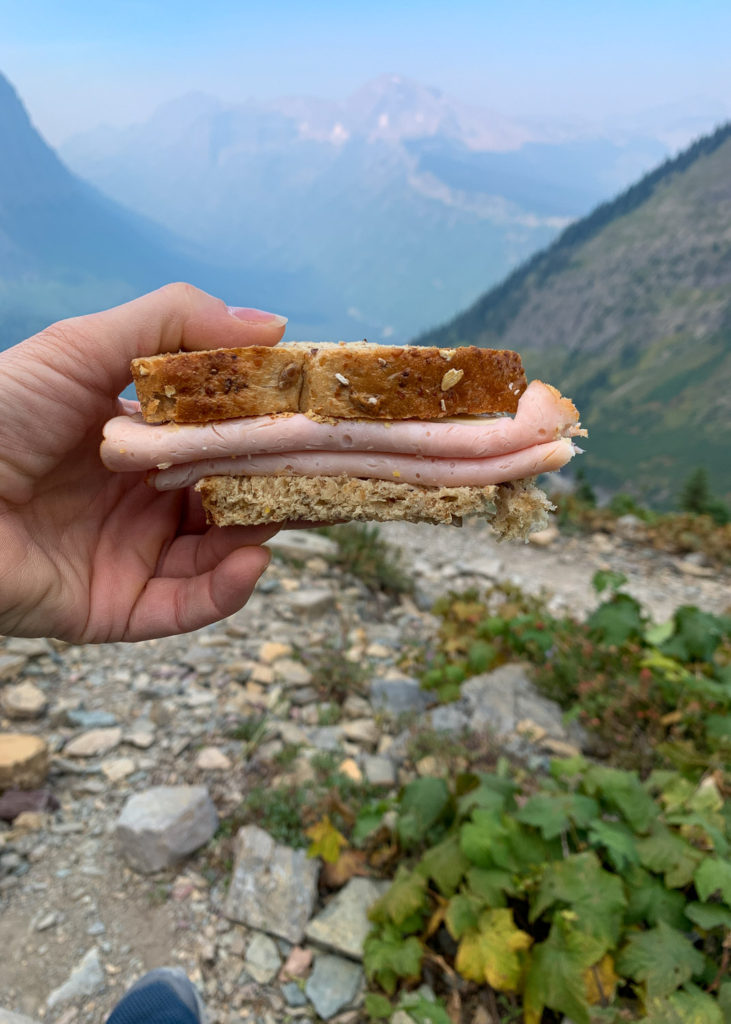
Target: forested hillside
629, 312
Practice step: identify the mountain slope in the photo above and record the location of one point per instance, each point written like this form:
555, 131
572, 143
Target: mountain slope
629, 311
65, 248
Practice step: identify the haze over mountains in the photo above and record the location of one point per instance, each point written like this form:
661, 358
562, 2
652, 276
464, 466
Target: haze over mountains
630, 312
386, 215
65, 248
403, 203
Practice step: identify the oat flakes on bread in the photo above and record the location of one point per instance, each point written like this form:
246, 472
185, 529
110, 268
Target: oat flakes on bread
352, 380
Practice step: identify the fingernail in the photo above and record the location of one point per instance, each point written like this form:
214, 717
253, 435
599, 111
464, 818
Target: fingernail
256, 316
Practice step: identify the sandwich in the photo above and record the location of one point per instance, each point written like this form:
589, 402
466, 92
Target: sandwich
335, 432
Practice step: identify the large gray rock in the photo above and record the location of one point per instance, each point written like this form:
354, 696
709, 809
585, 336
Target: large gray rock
343, 925
86, 978
500, 699
273, 888
333, 984
399, 695
161, 825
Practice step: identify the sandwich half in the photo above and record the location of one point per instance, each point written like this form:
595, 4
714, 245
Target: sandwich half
333, 432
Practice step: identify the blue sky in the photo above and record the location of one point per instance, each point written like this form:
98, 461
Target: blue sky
77, 63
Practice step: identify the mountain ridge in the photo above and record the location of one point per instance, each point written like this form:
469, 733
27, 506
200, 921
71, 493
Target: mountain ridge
629, 311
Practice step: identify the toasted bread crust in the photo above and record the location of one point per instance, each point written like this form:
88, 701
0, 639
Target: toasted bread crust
345, 381
515, 509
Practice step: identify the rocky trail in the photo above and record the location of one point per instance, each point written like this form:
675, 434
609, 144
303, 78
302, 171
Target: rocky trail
113, 874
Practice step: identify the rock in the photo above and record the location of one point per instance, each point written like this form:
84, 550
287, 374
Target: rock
23, 700
23, 761
361, 730
11, 665
29, 821
94, 743
690, 566
272, 651
291, 673
350, 769
302, 544
86, 979
140, 736
343, 925
8, 1017
118, 768
28, 647
602, 543
333, 984
81, 719
298, 963
273, 888
397, 696
449, 718
262, 959
379, 771
293, 995
484, 565
211, 759
630, 527
544, 538
311, 604
163, 824
17, 801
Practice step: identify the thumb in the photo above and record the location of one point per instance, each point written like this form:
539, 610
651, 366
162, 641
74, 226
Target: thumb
98, 348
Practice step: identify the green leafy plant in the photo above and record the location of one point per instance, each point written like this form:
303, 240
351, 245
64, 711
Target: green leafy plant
590, 894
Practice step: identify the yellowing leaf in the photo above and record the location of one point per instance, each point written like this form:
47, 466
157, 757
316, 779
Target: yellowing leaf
601, 981
494, 951
326, 840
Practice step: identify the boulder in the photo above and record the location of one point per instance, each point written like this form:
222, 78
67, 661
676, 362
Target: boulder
161, 825
273, 888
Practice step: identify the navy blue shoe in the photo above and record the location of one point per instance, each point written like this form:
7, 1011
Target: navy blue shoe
163, 996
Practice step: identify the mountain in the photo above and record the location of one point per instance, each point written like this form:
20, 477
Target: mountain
629, 312
66, 249
400, 202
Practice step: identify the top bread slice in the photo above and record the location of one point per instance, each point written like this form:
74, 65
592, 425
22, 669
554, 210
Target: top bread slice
353, 380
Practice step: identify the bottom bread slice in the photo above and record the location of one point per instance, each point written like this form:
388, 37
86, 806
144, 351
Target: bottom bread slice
514, 509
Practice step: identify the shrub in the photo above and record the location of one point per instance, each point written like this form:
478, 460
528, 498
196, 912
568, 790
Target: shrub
590, 894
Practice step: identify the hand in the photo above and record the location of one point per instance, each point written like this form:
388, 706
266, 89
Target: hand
92, 556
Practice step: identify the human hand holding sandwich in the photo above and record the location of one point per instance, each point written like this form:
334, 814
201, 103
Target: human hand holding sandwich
93, 556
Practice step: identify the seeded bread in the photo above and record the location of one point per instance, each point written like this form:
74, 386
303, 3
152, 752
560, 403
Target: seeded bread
514, 509
345, 381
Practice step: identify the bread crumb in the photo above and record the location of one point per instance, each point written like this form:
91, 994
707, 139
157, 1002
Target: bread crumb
169, 390
443, 404
143, 371
341, 379
396, 473
450, 378
446, 353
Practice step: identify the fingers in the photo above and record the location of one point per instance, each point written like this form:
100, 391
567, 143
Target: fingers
96, 350
171, 606
192, 555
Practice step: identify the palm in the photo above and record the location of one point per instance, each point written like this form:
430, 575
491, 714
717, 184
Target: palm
86, 554
111, 553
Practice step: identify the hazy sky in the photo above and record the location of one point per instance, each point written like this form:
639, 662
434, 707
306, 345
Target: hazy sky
77, 63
